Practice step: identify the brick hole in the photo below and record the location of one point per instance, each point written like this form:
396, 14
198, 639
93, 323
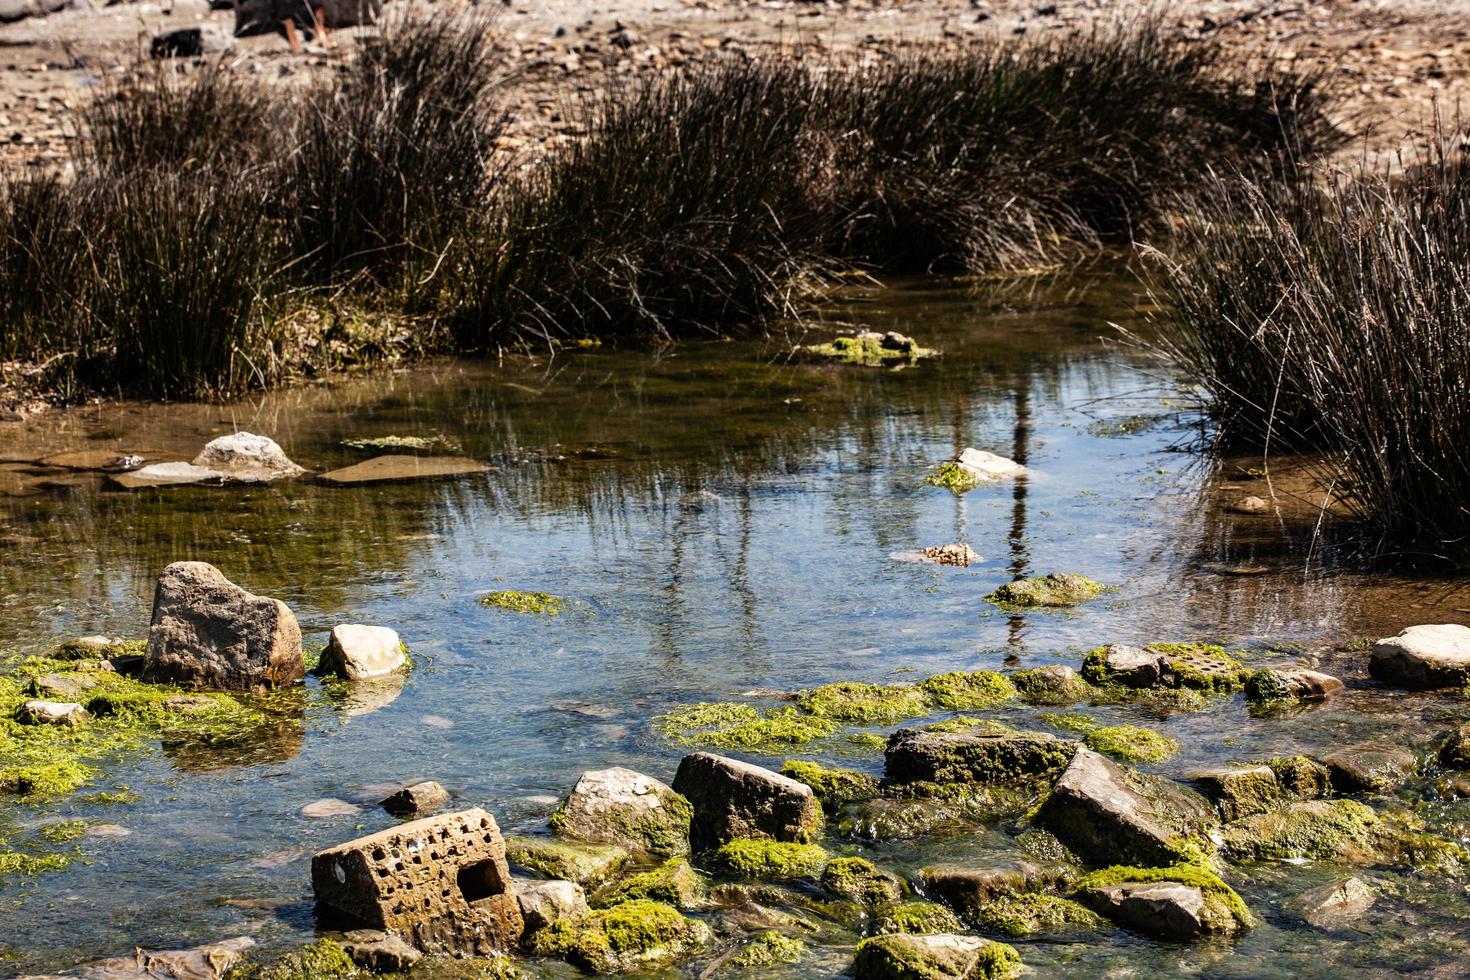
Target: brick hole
480, 880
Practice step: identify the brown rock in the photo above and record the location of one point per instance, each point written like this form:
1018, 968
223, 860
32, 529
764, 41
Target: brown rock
1163, 909
736, 799
442, 883
387, 469
208, 632
418, 799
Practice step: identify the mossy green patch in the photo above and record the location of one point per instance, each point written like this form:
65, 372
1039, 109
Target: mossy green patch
1131, 742
768, 859
1051, 686
1029, 913
674, 883
872, 704
322, 960
961, 690
868, 349
1059, 590
739, 726
1203, 666
17, 864
541, 603
64, 831
861, 881
833, 787
1316, 829
73, 650
971, 725
620, 937
59, 777
867, 740
588, 865
901, 957
1193, 875
770, 948
954, 478
919, 919
1072, 721
1300, 776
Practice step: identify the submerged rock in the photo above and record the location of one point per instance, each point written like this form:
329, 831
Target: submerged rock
967, 890
1110, 814
247, 458
1238, 791
620, 806
1370, 767
987, 759
441, 882
736, 799
1197, 666
1057, 684
1301, 777
869, 348
166, 475
934, 957
379, 951
765, 860
1289, 685
919, 919
1423, 657
1055, 591
1337, 905
416, 800
207, 962
863, 882
971, 468
588, 865
545, 902
1031, 913
623, 937
1162, 909
950, 554
1321, 830
208, 632
362, 652
389, 469
52, 713
1454, 748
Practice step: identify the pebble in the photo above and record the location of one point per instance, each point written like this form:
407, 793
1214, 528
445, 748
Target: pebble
323, 809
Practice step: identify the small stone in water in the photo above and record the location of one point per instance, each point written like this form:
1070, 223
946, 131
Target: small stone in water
325, 808
108, 830
437, 721
1249, 505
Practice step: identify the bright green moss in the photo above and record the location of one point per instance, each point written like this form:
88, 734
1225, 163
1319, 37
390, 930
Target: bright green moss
1058, 590
954, 478
542, 603
617, 938
867, 740
970, 725
1203, 667
833, 787
121, 796
739, 726
322, 960
861, 881
1193, 875
872, 704
64, 831
686, 722
14, 864
867, 350
73, 650
919, 918
1029, 913
674, 883
1132, 743
1051, 686
899, 957
1317, 829
770, 948
960, 690
1072, 721
768, 859
42, 781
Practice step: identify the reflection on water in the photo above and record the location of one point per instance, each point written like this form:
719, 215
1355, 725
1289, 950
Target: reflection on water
719, 519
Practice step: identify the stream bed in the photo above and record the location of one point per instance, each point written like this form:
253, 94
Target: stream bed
720, 519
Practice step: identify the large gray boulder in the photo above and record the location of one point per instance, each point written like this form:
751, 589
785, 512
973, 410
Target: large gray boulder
1002, 759
1110, 814
620, 806
247, 458
208, 632
1423, 657
737, 799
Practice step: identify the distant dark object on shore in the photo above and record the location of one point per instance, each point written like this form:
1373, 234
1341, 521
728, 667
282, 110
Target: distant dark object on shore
187, 42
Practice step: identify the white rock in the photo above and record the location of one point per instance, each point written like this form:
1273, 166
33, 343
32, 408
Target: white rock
544, 902
51, 713
988, 466
166, 475
247, 458
1423, 657
360, 652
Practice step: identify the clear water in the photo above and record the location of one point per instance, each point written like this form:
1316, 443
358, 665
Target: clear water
720, 519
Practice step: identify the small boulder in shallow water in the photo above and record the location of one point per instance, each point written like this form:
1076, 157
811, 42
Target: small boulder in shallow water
1337, 905
1161, 909
1059, 590
1057, 684
52, 713
623, 807
1277, 685
589, 865
1008, 758
391, 469
1370, 767
1423, 657
166, 475
737, 799
378, 951
972, 468
419, 799
935, 957
362, 652
247, 458
950, 554
1238, 791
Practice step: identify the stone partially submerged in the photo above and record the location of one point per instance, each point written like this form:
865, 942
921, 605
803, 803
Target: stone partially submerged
934, 957
247, 458
1059, 590
397, 468
734, 799
624, 807
986, 759
362, 652
208, 632
441, 883
1170, 910
1423, 657
971, 468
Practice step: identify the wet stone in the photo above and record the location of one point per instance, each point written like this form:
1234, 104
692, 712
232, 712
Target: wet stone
589, 865
52, 713
934, 957
544, 902
737, 799
211, 961
1127, 665
379, 951
1161, 909
1290, 684
1370, 767
420, 798
393, 468
1337, 905
986, 759
986, 466
969, 889
442, 883
247, 458
65, 687
1057, 684
362, 652
624, 807
1238, 791
1423, 657
166, 475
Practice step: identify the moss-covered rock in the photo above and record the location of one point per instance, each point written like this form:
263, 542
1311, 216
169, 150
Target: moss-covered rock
968, 690
589, 865
739, 726
624, 807
953, 477
540, 603
833, 787
868, 348
1301, 777
970, 725
1059, 590
869, 704
1316, 829
675, 882
1131, 743
919, 919
863, 882
1224, 910
1454, 747
914, 755
769, 859
1238, 791
935, 957
1029, 913
770, 948
1370, 767
1055, 685
1201, 667
621, 937
322, 960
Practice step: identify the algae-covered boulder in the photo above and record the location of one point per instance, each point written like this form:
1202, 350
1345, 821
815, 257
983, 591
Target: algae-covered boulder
833, 787
765, 859
1423, 657
208, 632
868, 348
1029, 913
1110, 814
675, 882
868, 704
1059, 590
1167, 909
1370, 767
934, 957
1322, 830
1131, 743
623, 937
623, 807
589, 865
1054, 685
1200, 667
968, 889
1285, 685
962, 690
919, 919
768, 949
545, 902
1000, 759
1238, 791
1301, 777
736, 799
863, 882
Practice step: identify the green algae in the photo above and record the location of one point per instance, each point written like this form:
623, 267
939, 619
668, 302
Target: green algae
691, 720
437, 443
919, 919
64, 831
1131, 742
953, 477
971, 725
1048, 686
768, 859
894, 957
1193, 875
960, 690
770, 948
675, 882
540, 603
867, 740
1059, 590
59, 777
1304, 778
870, 704
588, 865
868, 350
17, 864
73, 650
1029, 913
833, 787
1317, 829
1203, 666
1071, 721
739, 726
321, 960
620, 937
861, 881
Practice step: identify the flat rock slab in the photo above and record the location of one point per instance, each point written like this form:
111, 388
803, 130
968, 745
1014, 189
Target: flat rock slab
1337, 905
52, 713
737, 799
624, 807
986, 466
989, 760
166, 475
1161, 909
968, 889
209, 962
1423, 657
96, 459
1110, 814
391, 469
